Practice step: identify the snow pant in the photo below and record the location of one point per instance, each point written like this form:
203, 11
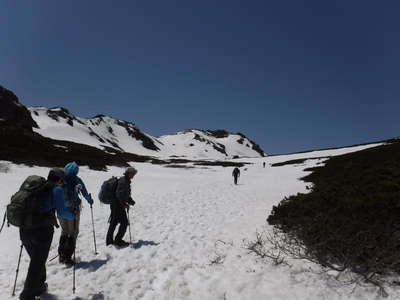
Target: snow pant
69, 234
118, 216
37, 243
235, 179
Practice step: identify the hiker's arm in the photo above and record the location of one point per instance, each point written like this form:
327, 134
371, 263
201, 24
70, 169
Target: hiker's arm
85, 193
122, 192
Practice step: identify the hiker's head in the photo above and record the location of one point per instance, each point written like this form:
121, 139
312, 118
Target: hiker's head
130, 172
71, 169
56, 176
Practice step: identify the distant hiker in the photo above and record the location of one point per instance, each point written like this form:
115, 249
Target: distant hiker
236, 174
68, 205
264, 164
118, 207
37, 234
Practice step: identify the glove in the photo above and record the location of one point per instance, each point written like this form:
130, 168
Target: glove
131, 202
90, 200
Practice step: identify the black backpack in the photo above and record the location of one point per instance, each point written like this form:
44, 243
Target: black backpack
24, 208
107, 190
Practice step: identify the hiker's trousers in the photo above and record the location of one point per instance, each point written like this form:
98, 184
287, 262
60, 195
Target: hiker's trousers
70, 227
37, 243
118, 216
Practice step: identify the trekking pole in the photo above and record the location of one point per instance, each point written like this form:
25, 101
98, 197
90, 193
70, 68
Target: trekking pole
16, 272
94, 233
129, 225
73, 272
4, 221
53, 258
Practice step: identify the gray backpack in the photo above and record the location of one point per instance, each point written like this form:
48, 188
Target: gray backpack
107, 190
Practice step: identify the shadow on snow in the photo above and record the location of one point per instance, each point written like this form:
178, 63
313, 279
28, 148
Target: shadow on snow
92, 266
98, 296
142, 243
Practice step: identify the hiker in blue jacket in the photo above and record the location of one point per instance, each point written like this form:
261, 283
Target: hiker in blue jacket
68, 205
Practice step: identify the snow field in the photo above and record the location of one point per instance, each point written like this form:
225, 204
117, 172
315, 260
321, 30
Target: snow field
189, 230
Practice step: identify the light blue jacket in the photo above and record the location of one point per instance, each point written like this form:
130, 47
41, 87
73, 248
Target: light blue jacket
74, 186
59, 201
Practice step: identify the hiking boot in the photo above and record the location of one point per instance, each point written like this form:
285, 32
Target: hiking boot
121, 243
21, 297
69, 261
43, 288
109, 242
61, 259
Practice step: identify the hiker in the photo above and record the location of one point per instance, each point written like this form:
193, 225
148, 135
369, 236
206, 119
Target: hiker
68, 204
118, 207
236, 174
264, 164
37, 238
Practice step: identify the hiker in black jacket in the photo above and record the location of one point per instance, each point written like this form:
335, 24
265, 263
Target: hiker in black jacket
236, 174
118, 207
37, 239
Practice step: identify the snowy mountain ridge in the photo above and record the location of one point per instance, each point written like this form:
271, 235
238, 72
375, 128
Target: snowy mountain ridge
112, 135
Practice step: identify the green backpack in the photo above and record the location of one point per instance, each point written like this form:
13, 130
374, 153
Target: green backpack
24, 208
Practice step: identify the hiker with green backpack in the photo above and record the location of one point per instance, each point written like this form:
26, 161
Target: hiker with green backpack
32, 209
117, 193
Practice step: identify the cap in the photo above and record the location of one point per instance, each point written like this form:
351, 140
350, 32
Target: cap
55, 175
130, 170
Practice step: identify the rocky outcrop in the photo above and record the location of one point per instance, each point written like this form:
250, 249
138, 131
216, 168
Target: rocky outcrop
11, 110
60, 112
135, 133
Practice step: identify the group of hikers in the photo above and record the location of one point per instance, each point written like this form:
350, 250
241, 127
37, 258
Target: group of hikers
60, 194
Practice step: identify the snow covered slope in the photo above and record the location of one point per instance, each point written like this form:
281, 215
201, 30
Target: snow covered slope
215, 144
189, 231
105, 132
100, 131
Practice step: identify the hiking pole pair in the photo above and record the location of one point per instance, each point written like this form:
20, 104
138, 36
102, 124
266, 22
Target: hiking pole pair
17, 271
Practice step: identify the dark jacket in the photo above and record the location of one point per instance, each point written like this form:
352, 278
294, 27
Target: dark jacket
46, 216
236, 172
123, 192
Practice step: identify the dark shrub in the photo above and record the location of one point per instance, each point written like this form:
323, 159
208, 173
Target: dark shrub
351, 218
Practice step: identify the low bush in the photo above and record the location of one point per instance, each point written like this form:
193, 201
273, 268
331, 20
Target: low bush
350, 221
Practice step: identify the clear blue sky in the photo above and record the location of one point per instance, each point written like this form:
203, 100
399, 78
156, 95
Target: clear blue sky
292, 75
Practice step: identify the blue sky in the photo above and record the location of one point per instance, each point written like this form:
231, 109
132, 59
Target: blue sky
291, 75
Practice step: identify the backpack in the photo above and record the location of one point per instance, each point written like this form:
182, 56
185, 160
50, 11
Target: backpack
107, 190
25, 204
72, 190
